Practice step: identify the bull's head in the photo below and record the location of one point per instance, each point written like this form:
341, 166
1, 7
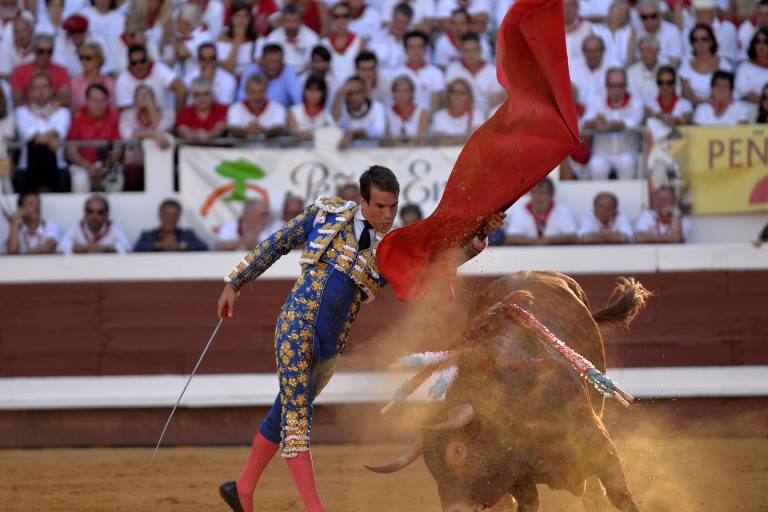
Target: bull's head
465, 457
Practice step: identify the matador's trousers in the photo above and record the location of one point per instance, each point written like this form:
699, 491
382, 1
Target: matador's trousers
310, 335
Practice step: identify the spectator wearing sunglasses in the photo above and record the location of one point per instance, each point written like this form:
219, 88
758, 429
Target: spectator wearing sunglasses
667, 107
155, 75
96, 232
208, 68
21, 79
753, 74
92, 58
667, 34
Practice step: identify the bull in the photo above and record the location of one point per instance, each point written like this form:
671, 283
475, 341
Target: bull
516, 415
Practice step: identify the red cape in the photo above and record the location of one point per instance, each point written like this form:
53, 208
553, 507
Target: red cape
530, 134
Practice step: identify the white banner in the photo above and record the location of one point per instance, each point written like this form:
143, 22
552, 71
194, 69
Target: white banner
216, 181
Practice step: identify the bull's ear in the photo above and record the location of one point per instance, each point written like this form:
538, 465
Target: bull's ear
458, 417
405, 459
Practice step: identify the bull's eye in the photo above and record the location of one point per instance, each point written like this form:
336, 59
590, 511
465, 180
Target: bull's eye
455, 454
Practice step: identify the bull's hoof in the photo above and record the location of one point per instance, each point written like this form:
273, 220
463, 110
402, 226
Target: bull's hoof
228, 492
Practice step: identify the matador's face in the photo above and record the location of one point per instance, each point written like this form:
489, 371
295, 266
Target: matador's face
381, 210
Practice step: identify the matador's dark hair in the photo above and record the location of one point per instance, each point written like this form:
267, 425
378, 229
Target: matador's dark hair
380, 177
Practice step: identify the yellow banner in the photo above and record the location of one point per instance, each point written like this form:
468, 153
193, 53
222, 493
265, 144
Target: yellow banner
726, 167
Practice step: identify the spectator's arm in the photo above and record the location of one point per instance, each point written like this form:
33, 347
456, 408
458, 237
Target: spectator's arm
145, 243
604, 238
185, 132
46, 247
177, 86
564, 239
13, 244
336, 108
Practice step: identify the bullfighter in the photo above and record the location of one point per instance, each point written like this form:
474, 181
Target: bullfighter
338, 273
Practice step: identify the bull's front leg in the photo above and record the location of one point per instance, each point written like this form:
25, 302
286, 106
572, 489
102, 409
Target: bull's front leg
608, 468
526, 495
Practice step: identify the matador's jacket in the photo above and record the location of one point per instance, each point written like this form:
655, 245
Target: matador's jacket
313, 325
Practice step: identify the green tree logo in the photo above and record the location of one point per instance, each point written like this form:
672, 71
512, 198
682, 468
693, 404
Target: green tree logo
240, 171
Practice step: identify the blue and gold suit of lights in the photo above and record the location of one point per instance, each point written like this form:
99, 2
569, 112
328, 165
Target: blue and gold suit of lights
313, 325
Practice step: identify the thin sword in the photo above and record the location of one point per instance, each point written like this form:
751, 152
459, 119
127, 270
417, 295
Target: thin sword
170, 417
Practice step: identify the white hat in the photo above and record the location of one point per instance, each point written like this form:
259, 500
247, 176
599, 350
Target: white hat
704, 4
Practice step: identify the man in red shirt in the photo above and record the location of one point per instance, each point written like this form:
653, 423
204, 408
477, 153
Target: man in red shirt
91, 165
21, 78
204, 119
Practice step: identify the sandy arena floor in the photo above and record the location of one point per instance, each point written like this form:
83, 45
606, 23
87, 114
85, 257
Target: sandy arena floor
675, 475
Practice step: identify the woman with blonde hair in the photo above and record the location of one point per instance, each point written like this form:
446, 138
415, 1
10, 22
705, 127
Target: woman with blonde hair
92, 58
456, 122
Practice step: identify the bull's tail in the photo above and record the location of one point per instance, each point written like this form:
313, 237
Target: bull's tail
627, 300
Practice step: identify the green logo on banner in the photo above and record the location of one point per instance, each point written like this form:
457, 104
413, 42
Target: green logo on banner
239, 171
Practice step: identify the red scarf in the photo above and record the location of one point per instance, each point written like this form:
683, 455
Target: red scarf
341, 49
622, 104
405, 116
91, 237
256, 112
312, 112
473, 73
720, 108
667, 108
540, 219
416, 68
452, 39
150, 65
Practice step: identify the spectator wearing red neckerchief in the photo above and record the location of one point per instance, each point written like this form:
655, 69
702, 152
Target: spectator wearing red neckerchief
605, 224
541, 221
16, 43
664, 223
615, 119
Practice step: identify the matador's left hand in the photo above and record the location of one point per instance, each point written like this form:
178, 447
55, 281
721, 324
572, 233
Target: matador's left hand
491, 224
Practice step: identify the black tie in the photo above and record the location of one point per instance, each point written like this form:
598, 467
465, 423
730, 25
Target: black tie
365, 236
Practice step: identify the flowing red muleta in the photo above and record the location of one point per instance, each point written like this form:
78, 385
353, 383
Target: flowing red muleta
530, 134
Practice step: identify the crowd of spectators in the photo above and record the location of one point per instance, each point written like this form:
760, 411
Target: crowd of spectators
405, 71
540, 221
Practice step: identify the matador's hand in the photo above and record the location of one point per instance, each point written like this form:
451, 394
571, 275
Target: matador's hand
492, 223
226, 305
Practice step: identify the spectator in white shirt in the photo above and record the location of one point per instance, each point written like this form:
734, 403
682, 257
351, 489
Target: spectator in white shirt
237, 44
459, 119
180, 54
753, 74
615, 119
212, 15
134, 33
588, 73
224, 84
429, 80
448, 44
722, 108
479, 10
28, 232
748, 27
705, 12
642, 74
367, 68
365, 19
156, 75
320, 64
16, 47
359, 115
422, 12
296, 39
305, 117
605, 224
576, 30
246, 232
478, 72
343, 44
388, 46
542, 220
664, 223
42, 126
667, 110
407, 124
618, 34
696, 73
96, 233
104, 19
256, 115
667, 34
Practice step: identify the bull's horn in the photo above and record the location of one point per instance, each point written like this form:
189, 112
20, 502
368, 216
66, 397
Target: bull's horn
458, 417
406, 458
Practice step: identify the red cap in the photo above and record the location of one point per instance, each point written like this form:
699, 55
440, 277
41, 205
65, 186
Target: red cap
75, 23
